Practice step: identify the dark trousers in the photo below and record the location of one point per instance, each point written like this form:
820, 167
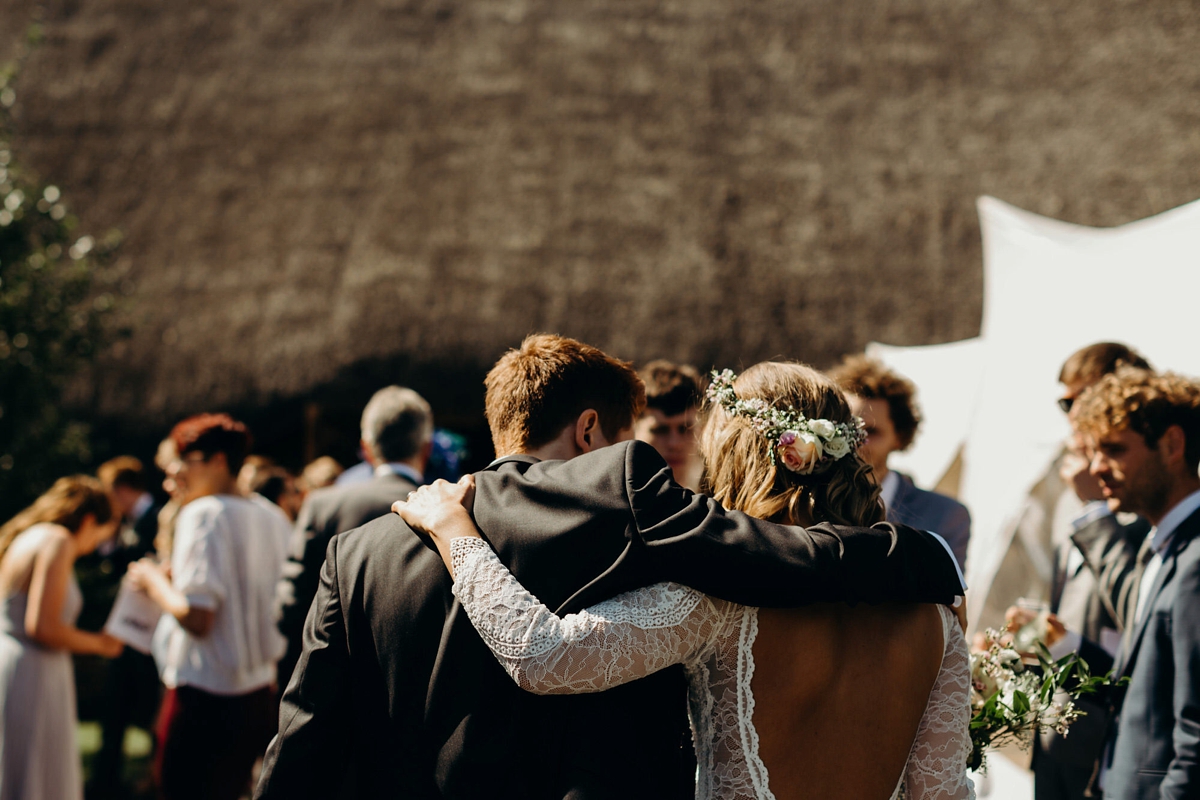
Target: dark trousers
208, 743
1057, 780
131, 696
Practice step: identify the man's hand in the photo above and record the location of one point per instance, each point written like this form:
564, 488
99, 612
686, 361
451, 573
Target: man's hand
1073, 469
1050, 631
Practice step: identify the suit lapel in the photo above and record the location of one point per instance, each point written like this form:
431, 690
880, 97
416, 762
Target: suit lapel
1183, 534
898, 512
1164, 574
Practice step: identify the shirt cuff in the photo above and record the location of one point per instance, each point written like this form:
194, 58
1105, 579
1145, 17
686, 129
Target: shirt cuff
1066, 646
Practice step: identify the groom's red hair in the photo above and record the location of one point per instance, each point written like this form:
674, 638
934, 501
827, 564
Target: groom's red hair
538, 389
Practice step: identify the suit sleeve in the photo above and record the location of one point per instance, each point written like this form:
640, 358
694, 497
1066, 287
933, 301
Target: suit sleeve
307, 757
301, 577
957, 532
689, 538
1183, 773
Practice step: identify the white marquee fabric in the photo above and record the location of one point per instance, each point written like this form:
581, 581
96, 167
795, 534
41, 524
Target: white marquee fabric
948, 378
1049, 288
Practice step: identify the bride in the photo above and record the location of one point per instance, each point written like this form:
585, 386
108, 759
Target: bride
829, 701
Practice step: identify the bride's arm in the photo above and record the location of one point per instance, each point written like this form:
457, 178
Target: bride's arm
937, 764
611, 643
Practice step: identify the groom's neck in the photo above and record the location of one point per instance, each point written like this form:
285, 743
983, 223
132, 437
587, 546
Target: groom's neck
561, 448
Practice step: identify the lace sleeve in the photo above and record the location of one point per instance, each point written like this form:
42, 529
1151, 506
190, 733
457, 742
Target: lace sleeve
614, 642
937, 765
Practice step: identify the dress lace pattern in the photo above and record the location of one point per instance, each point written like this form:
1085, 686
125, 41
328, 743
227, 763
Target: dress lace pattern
640, 632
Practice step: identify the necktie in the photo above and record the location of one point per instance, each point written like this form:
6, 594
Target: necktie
1145, 554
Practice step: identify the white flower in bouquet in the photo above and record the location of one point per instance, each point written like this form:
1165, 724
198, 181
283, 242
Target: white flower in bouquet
1011, 703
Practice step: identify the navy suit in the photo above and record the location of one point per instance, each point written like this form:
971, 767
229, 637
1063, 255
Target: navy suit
1157, 749
930, 511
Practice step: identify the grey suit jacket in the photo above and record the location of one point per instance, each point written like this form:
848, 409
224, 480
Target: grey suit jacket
930, 511
325, 513
1098, 594
1156, 753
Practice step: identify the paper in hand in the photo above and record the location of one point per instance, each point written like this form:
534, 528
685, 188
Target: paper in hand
133, 618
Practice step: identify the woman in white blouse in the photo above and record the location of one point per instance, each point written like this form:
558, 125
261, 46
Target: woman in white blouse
828, 701
216, 644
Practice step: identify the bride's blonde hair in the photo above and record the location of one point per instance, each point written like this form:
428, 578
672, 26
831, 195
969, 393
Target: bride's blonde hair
741, 474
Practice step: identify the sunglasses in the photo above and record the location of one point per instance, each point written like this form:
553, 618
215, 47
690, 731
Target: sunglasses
1065, 404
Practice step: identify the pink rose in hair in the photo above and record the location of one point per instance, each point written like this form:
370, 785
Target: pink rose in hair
800, 451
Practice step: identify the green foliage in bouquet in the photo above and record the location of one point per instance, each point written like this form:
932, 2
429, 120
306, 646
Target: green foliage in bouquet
52, 317
1011, 704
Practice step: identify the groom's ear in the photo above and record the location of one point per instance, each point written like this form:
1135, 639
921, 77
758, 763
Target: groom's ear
588, 435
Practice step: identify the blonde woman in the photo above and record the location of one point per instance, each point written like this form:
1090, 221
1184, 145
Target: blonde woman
828, 701
41, 600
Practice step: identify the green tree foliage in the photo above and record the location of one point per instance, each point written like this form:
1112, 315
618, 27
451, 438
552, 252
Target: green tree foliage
52, 316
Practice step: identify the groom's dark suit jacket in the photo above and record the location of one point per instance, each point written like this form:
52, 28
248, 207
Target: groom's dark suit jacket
395, 689
1157, 748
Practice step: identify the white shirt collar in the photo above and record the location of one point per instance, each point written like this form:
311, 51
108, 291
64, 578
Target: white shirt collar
401, 469
1173, 519
890, 488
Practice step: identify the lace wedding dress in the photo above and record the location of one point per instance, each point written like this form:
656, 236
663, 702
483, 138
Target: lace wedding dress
640, 632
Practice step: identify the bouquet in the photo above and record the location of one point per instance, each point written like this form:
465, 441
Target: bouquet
1011, 704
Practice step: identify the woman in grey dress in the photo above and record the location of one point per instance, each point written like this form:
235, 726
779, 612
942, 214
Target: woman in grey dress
40, 600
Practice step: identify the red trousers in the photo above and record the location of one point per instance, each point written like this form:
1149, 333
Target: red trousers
208, 743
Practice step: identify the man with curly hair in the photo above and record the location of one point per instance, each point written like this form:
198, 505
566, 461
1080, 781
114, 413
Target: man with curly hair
1143, 433
886, 402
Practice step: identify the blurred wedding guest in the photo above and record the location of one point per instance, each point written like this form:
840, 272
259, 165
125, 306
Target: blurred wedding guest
885, 401
131, 688
1091, 595
248, 475
125, 480
1143, 432
318, 474
39, 759
397, 431
361, 472
216, 645
166, 455
1045, 520
447, 456
276, 486
674, 393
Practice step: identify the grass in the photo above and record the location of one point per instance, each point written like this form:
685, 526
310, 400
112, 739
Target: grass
138, 747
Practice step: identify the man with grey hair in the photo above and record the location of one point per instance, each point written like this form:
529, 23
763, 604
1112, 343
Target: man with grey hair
397, 436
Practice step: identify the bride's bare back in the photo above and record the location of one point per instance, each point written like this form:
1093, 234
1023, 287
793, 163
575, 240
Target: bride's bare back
839, 693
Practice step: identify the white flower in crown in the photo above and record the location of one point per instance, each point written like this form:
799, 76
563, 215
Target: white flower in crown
803, 445
823, 428
838, 447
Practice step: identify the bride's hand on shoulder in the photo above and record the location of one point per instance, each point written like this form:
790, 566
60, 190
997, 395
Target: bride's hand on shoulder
440, 509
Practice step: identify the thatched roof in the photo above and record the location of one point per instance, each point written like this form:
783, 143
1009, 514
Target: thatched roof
307, 187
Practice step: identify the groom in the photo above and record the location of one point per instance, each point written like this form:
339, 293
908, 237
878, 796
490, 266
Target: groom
395, 694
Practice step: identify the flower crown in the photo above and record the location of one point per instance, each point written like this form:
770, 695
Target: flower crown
803, 445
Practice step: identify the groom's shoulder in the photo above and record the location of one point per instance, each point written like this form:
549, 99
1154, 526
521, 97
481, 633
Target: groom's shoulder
384, 541
624, 458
